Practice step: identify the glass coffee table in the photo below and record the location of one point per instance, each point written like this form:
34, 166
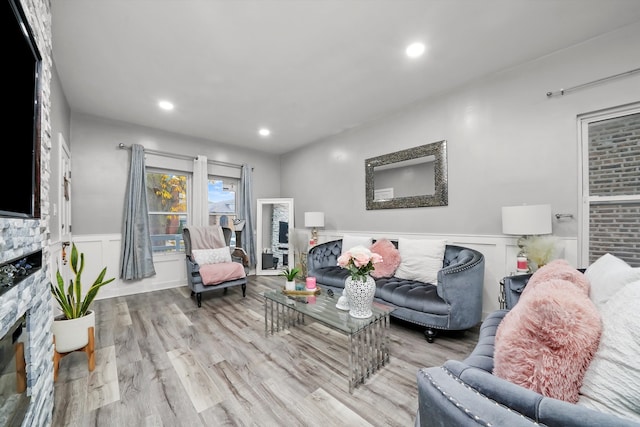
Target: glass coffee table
368, 338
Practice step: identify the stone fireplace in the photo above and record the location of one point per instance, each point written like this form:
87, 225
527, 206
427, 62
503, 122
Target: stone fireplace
26, 310
26, 314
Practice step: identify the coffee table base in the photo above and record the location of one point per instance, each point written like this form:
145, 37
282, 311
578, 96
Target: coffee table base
368, 345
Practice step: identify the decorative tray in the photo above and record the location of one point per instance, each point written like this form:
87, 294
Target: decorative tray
316, 291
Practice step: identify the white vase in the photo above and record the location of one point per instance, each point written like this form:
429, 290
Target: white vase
290, 285
72, 334
361, 293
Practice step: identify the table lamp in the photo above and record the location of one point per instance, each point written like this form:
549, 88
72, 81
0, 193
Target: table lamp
525, 221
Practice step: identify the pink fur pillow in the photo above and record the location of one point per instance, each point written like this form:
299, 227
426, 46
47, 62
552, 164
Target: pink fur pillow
546, 342
558, 269
390, 258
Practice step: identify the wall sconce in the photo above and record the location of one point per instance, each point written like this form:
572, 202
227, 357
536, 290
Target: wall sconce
314, 220
524, 221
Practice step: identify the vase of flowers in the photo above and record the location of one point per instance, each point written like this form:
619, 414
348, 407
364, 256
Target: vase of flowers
359, 287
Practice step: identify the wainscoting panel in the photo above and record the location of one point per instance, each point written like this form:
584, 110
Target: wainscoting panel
104, 250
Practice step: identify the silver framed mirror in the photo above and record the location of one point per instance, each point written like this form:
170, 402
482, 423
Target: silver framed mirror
274, 226
411, 178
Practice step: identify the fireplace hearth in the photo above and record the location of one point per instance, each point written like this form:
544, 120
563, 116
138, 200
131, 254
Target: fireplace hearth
14, 401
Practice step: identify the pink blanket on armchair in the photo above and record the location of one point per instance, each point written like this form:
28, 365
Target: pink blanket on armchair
213, 274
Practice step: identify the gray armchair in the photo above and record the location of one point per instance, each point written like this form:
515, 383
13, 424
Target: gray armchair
210, 237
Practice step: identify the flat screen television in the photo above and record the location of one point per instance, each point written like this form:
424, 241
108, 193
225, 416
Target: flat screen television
21, 116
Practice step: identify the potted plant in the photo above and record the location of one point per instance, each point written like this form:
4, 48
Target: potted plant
290, 274
69, 328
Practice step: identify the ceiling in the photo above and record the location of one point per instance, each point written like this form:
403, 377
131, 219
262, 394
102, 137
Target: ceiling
306, 69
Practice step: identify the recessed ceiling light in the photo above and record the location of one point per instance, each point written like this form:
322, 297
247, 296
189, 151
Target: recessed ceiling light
415, 50
264, 132
165, 105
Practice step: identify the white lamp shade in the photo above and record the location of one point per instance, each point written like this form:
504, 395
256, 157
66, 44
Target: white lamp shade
314, 219
526, 220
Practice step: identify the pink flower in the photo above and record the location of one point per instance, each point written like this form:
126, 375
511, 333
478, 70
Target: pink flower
344, 259
359, 260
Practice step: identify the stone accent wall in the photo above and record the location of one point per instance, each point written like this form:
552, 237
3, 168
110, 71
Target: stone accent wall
20, 237
614, 170
280, 213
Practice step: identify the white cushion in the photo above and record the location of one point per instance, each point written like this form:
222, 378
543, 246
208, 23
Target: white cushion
612, 381
212, 256
420, 259
607, 275
349, 241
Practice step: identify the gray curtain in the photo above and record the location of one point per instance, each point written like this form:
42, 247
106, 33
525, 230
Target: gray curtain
137, 252
246, 203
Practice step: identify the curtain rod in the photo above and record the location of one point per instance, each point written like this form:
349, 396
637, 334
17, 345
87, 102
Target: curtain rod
602, 80
181, 156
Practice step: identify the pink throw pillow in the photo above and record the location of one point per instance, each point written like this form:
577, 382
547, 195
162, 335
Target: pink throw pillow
390, 258
546, 342
558, 269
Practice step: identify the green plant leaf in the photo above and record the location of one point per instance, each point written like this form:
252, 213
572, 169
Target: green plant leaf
70, 300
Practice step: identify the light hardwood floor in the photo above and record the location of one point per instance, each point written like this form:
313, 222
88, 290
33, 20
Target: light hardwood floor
162, 361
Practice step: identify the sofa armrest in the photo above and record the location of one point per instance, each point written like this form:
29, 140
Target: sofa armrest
444, 401
323, 255
528, 403
460, 284
192, 266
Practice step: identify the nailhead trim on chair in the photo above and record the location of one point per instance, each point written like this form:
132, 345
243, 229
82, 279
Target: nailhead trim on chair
468, 411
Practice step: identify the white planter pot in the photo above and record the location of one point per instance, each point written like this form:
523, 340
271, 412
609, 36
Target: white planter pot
72, 334
290, 285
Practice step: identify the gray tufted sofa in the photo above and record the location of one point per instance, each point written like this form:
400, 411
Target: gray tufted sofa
454, 304
466, 393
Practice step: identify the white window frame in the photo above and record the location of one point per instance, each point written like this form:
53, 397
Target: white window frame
583, 174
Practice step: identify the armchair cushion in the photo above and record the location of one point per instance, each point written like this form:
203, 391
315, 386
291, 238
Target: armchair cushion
213, 274
212, 256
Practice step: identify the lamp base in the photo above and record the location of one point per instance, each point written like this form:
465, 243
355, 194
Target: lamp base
314, 236
522, 264
522, 260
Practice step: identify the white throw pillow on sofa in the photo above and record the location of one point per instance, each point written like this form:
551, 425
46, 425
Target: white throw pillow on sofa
612, 381
420, 259
607, 275
349, 241
212, 256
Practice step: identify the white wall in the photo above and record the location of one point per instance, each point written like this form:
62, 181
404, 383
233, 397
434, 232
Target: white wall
100, 169
508, 144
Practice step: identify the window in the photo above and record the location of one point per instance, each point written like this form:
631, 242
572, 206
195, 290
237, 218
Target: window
167, 200
610, 186
222, 198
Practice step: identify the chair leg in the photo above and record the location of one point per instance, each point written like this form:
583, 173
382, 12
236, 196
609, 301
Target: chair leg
199, 299
430, 334
244, 290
